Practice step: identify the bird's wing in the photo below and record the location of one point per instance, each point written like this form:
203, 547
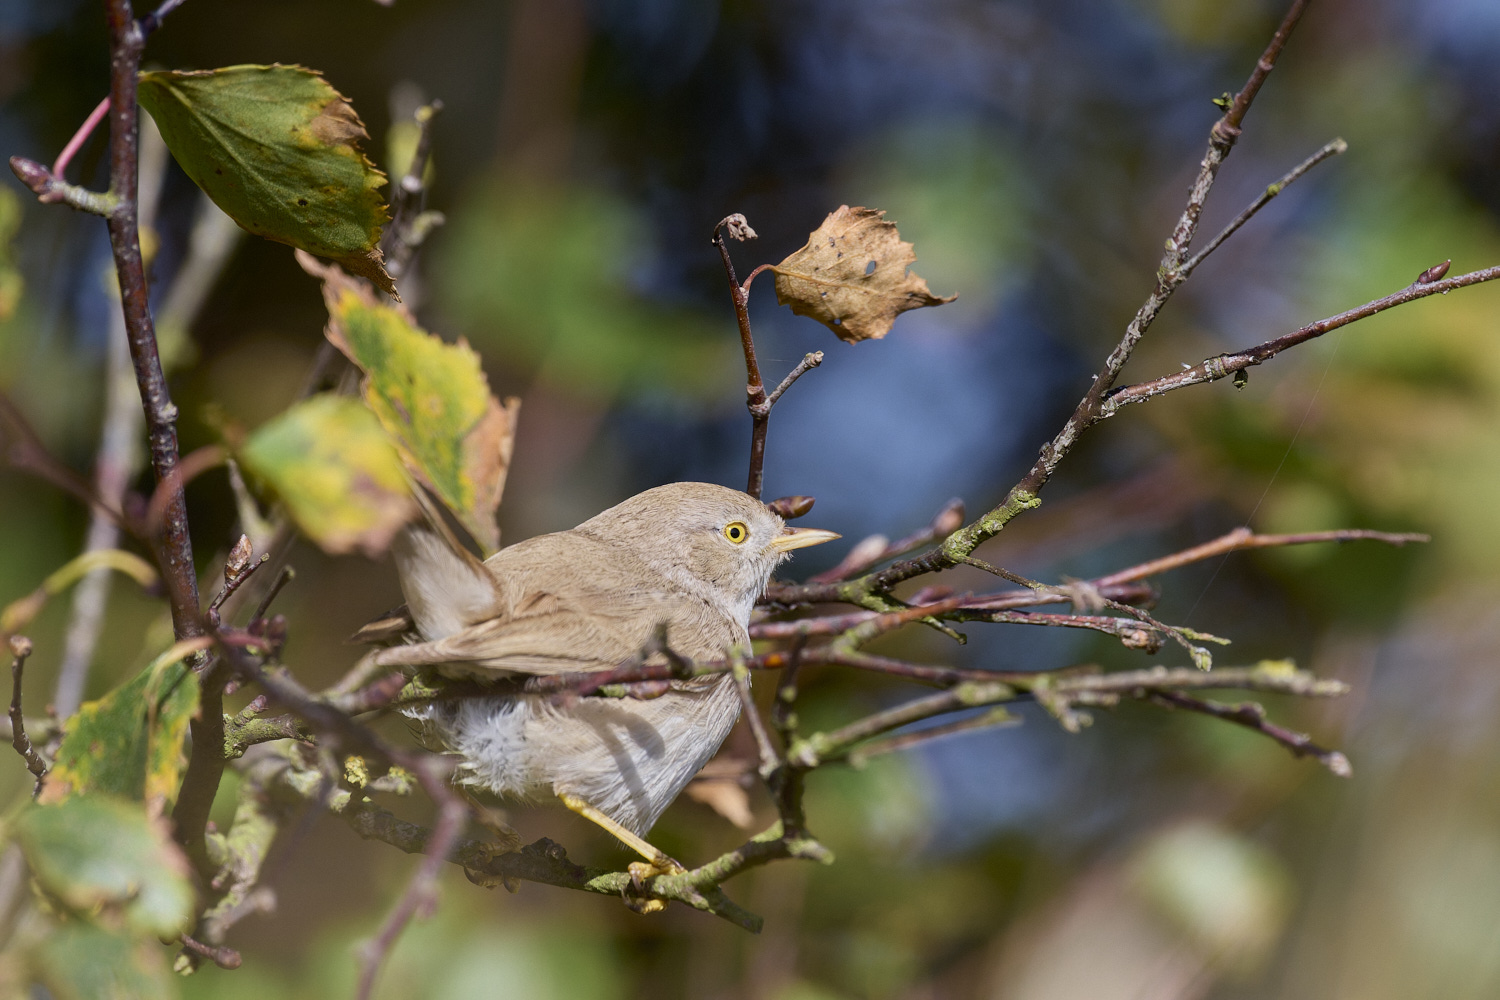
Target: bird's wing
446, 588
558, 637
388, 627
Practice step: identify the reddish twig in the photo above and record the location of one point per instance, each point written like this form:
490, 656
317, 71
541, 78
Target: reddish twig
877, 548
60, 165
224, 958
1244, 538
757, 400
27, 453
755, 389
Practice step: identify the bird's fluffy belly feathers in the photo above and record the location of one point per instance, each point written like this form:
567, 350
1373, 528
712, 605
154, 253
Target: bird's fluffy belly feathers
628, 761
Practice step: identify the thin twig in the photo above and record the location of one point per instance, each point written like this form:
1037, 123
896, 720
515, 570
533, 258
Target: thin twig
1225, 365
1333, 148
877, 548
807, 364
20, 649
60, 165
755, 389
224, 958
410, 224
26, 452
420, 896
52, 190
152, 21
997, 716
1244, 538
1024, 495
1252, 716
238, 568
769, 758
286, 576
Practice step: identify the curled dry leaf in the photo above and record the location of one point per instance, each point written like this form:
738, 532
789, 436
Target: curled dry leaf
277, 148
852, 276
432, 398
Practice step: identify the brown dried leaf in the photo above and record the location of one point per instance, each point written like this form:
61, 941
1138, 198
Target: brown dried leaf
726, 798
852, 276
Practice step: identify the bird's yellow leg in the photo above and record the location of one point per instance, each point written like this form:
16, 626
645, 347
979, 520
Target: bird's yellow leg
658, 862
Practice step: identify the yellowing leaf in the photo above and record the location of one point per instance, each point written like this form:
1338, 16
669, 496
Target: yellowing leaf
104, 857
277, 149
335, 469
80, 961
131, 742
431, 397
852, 276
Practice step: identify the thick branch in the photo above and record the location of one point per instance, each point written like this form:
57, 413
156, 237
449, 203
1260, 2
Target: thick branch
126, 41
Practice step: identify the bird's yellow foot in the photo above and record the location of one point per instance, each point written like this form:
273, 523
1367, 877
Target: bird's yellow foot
640, 871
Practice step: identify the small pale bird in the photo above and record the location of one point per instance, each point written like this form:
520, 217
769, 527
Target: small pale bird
691, 557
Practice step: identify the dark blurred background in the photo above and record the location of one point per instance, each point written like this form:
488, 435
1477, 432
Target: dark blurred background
1037, 154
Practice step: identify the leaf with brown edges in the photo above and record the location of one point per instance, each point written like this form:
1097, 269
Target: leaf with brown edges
852, 276
431, 397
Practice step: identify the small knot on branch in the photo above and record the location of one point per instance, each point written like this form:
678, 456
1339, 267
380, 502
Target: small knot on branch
1224, 135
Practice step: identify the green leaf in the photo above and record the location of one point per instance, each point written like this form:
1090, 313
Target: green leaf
103, 857
80, 961
431, 397
131, 742
333, 466
277, 149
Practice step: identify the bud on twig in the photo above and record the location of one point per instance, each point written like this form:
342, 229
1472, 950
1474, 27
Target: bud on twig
789, 508
1434, 273
949, 519
238, 560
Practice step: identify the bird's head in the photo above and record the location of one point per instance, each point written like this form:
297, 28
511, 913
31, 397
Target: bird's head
716, 542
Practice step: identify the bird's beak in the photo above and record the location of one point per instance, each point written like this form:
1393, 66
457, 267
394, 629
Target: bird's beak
801, 538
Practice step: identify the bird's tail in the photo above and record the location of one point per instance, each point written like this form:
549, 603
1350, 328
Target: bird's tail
447, 588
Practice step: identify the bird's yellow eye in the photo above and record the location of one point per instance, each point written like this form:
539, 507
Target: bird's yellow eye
736, 532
